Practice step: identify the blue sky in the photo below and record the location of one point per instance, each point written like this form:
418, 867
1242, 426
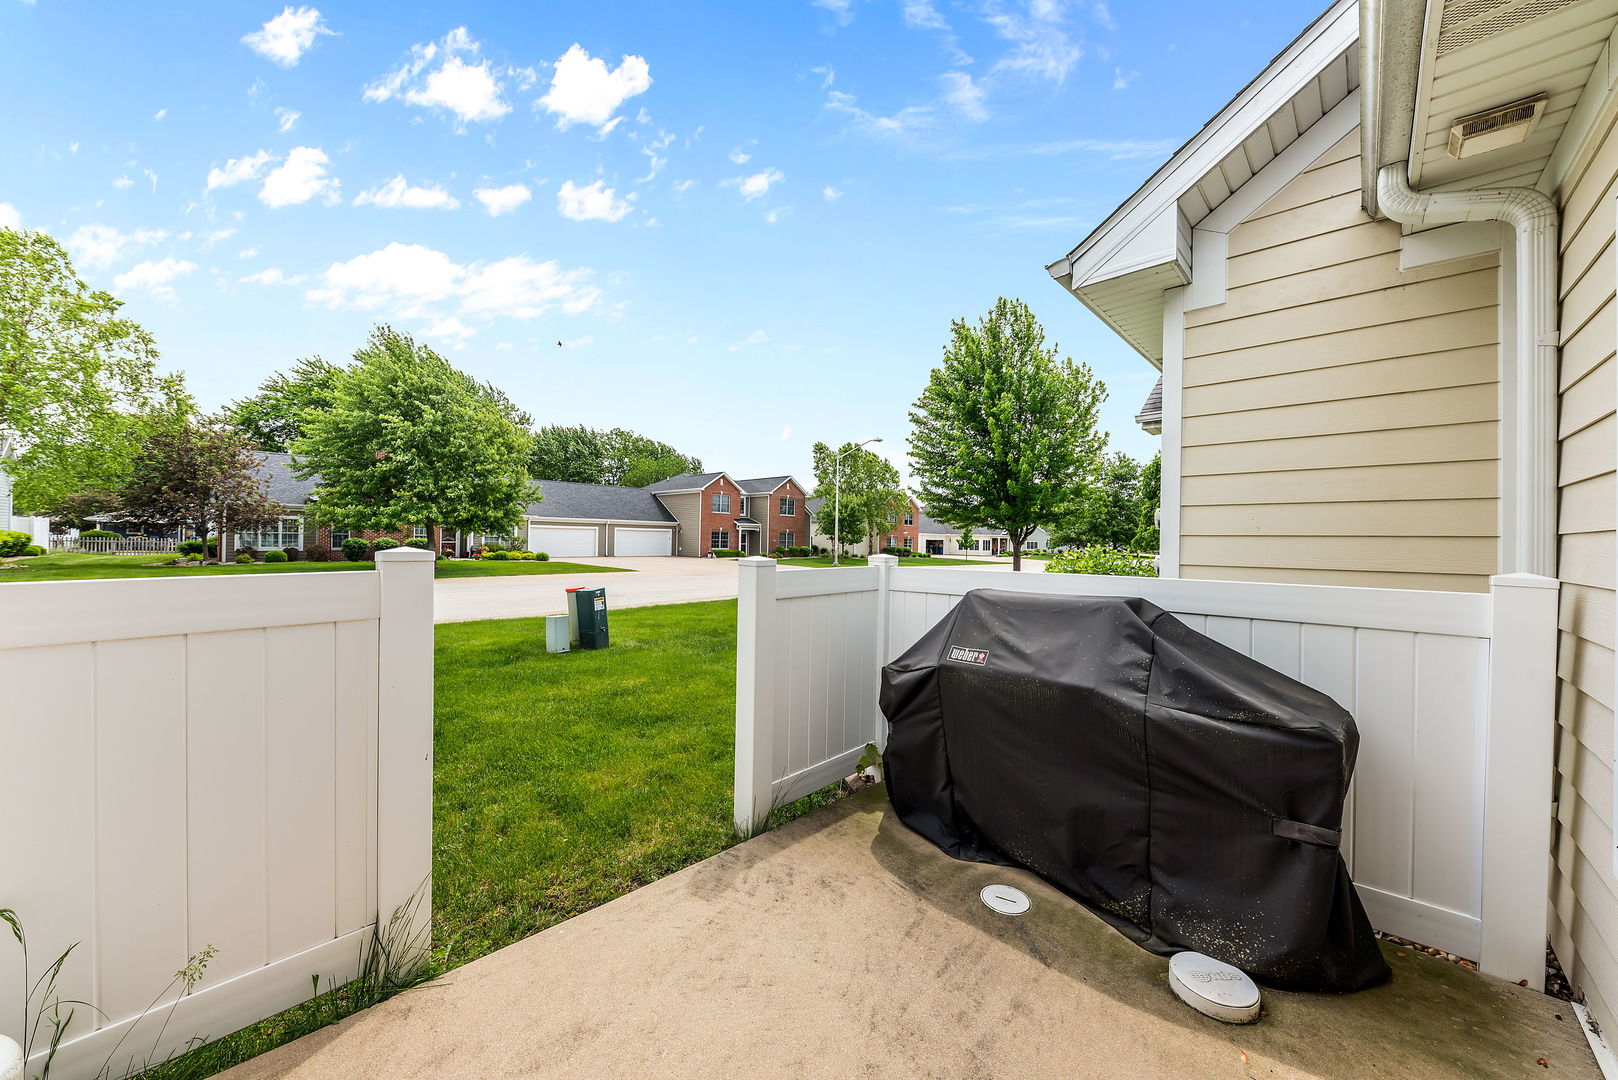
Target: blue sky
749, 223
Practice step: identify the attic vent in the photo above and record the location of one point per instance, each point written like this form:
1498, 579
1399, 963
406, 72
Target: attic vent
1493, 129
1467, 22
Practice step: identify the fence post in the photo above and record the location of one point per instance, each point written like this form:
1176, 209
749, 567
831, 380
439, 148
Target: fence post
1519, 780
884, 607
404, 740
756, 645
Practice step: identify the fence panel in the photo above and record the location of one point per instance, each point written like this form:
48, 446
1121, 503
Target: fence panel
196, 762
1415, 669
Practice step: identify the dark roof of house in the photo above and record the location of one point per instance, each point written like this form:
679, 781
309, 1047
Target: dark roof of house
598, 502
281, 483
1151, 413
746, 521
761, 485
684, 482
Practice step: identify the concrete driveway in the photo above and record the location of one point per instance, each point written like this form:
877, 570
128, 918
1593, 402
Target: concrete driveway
656, 580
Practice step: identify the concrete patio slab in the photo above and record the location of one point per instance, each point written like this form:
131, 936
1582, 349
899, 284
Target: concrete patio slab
844, 945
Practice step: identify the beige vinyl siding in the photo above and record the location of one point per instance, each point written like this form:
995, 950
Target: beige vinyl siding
1584, 895
1340, 417
687, 510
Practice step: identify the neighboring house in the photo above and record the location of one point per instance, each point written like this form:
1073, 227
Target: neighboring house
779, 505
1376, 371
37, 527
574, 520
936, 538
903, 531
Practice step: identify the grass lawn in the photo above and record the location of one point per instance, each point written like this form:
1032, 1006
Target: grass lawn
859, 560
560, 782
74, 567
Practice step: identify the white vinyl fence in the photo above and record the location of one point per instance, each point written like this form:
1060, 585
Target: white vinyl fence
1447, 827
108, 545
236, 762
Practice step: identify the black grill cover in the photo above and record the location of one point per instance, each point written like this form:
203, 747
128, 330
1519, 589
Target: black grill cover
1185, 793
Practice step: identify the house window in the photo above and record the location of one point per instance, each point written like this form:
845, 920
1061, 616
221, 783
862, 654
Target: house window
719, 539
419, 532
910, 517
721, 502
788, 538
338, 536
789, 507
288, 532
909, 543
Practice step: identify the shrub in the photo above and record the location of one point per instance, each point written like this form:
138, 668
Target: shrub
319, 553
899, 551
419, 542
13, 543
190, 547
34, 549
1102, 560
540, 556
384, 543
356, 549
275, 556
526, 556
244, 558
499, 556
100, 534
251, 552
194, 558
728, 553
294, 554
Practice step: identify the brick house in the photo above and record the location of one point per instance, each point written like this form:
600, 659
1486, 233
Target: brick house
904, 531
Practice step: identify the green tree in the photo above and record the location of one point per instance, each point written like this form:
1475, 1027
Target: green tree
634, 460
1146, 536
576, 454
274, 417
966, 540
409, 440
1107, 512
1004, 433
864, 490
79, 385
202, 475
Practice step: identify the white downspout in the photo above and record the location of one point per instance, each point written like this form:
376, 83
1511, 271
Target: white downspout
1529, 478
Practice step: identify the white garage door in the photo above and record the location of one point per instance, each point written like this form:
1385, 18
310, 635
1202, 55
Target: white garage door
644, 542
562, 541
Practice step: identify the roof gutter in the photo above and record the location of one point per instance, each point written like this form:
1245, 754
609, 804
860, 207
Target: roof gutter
1528, 436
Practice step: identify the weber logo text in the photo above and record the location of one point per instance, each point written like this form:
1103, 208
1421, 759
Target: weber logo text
968, 656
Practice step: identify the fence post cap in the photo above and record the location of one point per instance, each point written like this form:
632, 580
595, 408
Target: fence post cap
404, 554
1523, 581
883, 560
756, 560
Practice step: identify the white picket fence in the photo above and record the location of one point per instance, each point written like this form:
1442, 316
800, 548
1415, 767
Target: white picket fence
236, 762
1447, 829
108, 545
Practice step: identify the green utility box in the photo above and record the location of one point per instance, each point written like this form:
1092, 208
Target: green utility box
590, 614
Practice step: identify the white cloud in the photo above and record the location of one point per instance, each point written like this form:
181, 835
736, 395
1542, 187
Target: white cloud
99, 246
155, 277
683, 186
776, 214
831, 194
1121, 79
1103, 15
469, 91
827, 74
396, 194
451, 327
584, 91
287, 118
1040, 45
757, 185
841, 10
73, 148
922, 14
503, 200
654, 155
414, 281
247, 253
237, 170
964, 95
906, 120
786, 433
593, 202
123, 183
160, 114
301, 178
739, 156
757, 337
285, 38
10, 217
271, 275
152, 176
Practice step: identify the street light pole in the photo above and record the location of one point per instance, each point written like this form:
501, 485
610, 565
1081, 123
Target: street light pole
837, 501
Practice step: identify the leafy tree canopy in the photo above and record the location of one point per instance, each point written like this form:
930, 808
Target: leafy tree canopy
79, 385
1004, 433
201, 474
586, 455
409, 440
273, 417
1107, 512
870, 499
